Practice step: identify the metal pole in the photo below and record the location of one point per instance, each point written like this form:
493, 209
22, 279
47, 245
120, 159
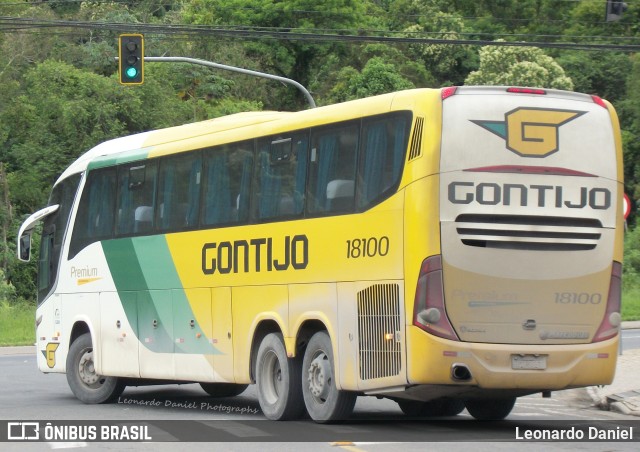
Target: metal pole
234, 69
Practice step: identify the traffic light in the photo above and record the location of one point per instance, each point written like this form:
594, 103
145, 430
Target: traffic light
614, 10
131, 59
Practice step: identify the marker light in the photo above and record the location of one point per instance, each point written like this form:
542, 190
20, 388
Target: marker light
448, 92
599, 101
518, 90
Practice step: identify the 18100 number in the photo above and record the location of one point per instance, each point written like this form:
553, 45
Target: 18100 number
367, 247
578, 298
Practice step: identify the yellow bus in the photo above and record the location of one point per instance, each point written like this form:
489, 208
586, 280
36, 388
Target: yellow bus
445, 248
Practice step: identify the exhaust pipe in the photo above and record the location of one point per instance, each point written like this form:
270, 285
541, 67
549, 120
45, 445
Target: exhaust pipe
460, 372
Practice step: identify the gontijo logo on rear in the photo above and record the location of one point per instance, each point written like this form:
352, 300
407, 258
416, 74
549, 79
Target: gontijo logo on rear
531, 132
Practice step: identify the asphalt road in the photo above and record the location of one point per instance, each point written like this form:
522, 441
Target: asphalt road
630, 339
185, 413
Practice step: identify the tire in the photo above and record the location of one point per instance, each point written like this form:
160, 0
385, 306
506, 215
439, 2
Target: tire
440, 407
223, 389
324, 402
85, 384
490, 409
278, 380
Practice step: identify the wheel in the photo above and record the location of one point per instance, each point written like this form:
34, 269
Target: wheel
490, 409
85, 384
223, 389
451, 407
440, 407
324, 402
278, 380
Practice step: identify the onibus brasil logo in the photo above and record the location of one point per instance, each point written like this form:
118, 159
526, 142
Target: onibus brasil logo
531, 132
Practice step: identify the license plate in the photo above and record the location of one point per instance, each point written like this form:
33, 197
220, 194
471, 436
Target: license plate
529, 362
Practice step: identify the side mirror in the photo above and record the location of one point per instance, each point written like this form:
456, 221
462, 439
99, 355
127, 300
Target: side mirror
24, 247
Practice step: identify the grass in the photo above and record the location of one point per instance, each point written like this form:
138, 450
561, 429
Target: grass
17, 324
631, 303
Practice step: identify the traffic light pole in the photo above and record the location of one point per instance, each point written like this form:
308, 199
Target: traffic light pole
304, 90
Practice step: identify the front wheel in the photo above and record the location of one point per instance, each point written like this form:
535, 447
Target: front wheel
82, 378
324, 402
278, 380
490, 409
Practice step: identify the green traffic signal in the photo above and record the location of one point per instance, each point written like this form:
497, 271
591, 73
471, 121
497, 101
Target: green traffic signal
131, 72
131, 59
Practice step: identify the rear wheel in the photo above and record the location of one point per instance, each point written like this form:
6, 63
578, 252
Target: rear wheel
278, 380
82, 378
324, 402
490, 409
441, 407
223, 389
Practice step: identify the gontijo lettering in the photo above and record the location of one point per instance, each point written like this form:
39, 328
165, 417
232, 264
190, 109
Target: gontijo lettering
490, 193
256, 255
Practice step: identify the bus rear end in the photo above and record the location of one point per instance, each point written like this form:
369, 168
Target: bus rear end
525, 294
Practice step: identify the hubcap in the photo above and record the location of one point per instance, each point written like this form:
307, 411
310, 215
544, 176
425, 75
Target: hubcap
320, 377
272, 378
87, 370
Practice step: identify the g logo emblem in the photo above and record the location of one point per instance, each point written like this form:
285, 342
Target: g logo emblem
50, 354
531, 132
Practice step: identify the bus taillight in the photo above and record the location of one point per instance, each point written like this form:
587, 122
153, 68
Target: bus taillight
429, 313
611, 321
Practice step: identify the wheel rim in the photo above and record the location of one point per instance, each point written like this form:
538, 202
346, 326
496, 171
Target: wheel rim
320, 377
271, 381
87, 370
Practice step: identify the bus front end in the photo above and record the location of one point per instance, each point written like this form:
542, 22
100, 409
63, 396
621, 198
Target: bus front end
524, 293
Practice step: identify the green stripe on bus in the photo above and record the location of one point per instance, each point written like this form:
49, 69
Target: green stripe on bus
159, 311
116, 159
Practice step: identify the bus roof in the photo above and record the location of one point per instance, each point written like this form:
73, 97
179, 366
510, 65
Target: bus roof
173, 139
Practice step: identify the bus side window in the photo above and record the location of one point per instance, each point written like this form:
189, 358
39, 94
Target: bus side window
333, 169
136, 188
95, 217
281, 176
228, 178
383, 149
179, 192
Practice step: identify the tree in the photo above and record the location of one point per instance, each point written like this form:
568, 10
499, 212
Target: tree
518, 66
377, 77
288, 58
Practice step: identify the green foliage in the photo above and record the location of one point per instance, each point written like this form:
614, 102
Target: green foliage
7, 291
377, 77
518, 66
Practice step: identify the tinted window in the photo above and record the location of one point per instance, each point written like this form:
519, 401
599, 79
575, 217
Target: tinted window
384, 141
228, 184
179, 192
332, 169
281, 176
95, 217
135, 203
53, 231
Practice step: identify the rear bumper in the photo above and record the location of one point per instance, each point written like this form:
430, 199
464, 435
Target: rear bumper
430, 360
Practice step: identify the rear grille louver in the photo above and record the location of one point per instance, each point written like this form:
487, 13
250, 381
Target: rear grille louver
523, 232
379, 331
416, 140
